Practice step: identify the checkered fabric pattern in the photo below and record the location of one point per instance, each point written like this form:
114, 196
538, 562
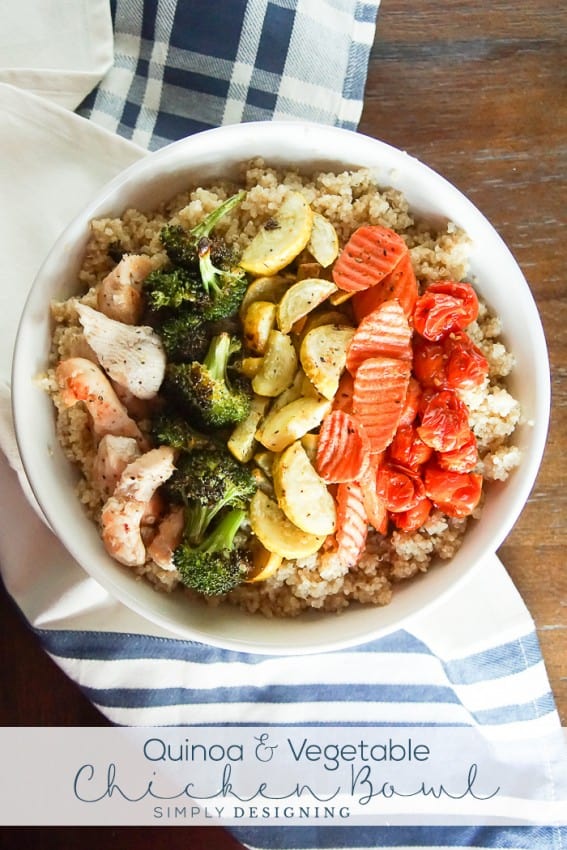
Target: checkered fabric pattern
182, 66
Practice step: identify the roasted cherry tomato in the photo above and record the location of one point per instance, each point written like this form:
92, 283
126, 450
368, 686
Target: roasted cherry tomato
455, 493
445, 306
408, 449
463, 459
429, 363
413, 519
454, 363
465, 364
401, 489
444, 422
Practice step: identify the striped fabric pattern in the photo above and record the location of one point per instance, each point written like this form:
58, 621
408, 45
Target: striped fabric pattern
184, 67
394, 681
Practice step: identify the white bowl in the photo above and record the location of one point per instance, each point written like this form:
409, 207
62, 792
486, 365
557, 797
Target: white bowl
200, 159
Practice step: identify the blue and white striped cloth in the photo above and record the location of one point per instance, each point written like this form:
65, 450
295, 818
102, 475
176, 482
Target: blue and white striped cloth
179, 68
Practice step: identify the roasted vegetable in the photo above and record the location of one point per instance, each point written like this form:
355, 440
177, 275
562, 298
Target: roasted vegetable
216, 565
206, 481
204, 391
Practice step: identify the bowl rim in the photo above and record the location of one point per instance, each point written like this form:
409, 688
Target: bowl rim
149, 164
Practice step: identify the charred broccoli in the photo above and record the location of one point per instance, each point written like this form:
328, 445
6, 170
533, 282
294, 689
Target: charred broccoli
203, 389
206, 481
225, 287
199, 263
173, 287
215, 566
182, 245
185, 337
175, 431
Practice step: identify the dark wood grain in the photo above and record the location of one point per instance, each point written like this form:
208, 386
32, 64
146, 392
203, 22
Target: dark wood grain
476, 90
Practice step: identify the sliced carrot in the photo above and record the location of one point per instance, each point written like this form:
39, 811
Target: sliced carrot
380, 388
342, 448
370, 254
400, 284
343, 396
411, 403
352, 523
383, 333
374, 506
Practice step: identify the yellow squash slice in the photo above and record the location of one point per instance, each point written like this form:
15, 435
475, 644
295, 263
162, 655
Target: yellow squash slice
324, 242
278, 367
281, 238
242, 441
300, 299
264, 289
276, 533
302, 495
323, 356
259, 320
266, 563
282, 427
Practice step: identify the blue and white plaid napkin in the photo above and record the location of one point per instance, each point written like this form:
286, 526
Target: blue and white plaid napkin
179, 68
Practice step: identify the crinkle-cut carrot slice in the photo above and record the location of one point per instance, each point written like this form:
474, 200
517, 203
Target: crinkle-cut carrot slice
380, 388
342, 448
374, 505
383, 333
344, 393
370, 254
400, 284
352, 523
411, 403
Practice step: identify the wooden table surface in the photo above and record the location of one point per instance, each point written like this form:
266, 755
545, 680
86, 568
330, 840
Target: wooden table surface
477, 91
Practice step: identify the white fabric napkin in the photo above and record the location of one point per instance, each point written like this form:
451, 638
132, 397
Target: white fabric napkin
59, 49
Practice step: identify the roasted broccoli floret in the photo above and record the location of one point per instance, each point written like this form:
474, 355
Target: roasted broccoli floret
206, 481
200, 261
173, 287
225, 287
204, 390
215, 566
175, 431
182, 245
185, 337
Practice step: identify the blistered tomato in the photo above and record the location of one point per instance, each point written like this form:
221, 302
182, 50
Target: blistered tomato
401, 489
413, 519
444, 307
408, 449
463, 459
455, 493
444, 422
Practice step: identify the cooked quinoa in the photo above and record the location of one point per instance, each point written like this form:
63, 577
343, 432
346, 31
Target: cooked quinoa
347, 200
